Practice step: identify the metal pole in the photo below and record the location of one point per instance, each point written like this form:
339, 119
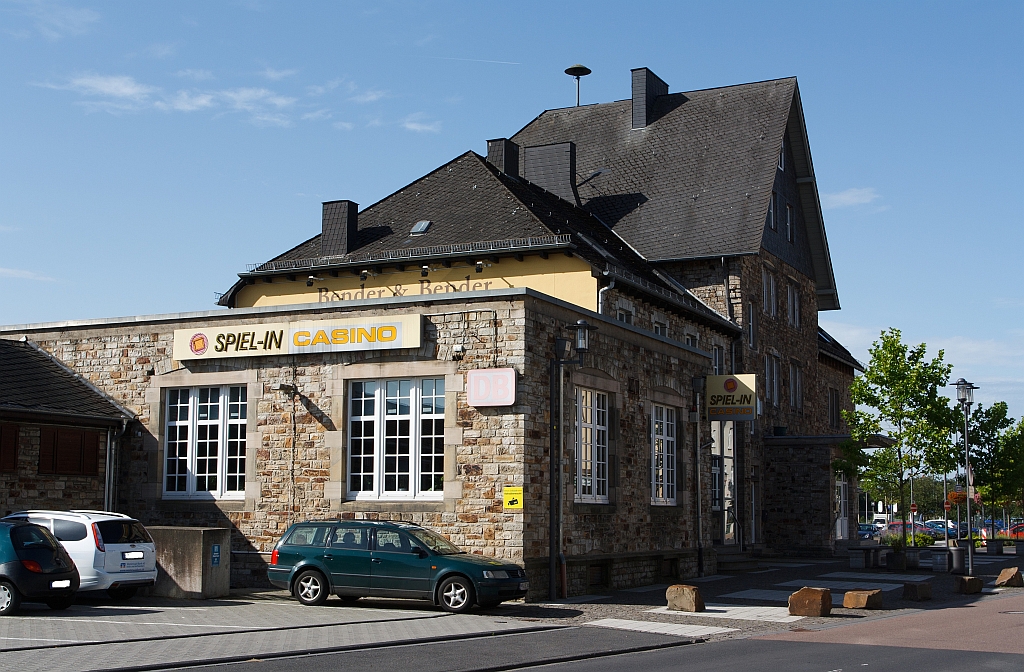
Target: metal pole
553, 527
945, 513
967, 479
577, 90
561, 471
696, 461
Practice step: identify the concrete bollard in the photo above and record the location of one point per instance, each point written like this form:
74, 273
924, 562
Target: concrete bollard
1011, 578
966, 585
862, 599
811, 602
684, 598
918, 591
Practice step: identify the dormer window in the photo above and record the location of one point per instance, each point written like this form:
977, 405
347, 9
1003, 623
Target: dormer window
782, 157
420, 227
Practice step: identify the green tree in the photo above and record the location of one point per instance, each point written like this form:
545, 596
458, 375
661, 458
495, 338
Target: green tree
898, 395
991, 453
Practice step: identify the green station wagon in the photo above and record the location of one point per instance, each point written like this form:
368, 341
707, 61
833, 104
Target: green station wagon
363, 558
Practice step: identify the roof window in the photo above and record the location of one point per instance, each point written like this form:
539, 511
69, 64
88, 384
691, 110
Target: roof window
420, 227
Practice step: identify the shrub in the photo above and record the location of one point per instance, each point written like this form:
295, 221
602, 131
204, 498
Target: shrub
921, 539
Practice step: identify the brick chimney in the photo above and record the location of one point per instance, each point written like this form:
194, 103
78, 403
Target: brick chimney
340, 223
553, 167
503, 154
646, 87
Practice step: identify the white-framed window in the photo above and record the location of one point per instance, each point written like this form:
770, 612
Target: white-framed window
717, 360
690, 340
716, 482
660, 328
771, 379
623, 315
793, 305
833, 408
796, 386
663, 455
751, 325
789, 222
782, 156
204, 444
591, 445
396, 439
768, 295
773, 223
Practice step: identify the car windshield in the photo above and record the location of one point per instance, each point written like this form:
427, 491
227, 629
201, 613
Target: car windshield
123, 532
434, 541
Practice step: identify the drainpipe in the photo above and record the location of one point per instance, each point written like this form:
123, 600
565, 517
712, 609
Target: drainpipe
600, 295
108, 475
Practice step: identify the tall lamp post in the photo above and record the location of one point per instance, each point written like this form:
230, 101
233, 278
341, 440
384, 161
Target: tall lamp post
965, 395
581, 343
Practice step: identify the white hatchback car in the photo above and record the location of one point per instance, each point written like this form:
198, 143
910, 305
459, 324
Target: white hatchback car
113, 552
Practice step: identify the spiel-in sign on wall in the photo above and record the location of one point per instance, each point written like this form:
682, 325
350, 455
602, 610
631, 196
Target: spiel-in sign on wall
294, 338
732, 397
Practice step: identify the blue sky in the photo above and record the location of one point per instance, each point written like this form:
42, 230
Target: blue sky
150, 151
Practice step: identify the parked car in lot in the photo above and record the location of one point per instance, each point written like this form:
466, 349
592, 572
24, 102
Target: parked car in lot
34, 567
354, 559
916, 528
114, 552
1016, 531
866, 530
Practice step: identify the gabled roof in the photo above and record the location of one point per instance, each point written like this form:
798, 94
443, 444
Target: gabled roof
35, 384
830, 347
472, 206
696, 182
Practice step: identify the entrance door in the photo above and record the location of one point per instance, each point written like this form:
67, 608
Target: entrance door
398, 566
347, 557
723, 456
842, 508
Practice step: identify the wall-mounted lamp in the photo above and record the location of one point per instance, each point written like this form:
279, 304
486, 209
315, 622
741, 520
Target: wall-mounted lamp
363, 275
479, 267
424, 271
313, 278
583, 330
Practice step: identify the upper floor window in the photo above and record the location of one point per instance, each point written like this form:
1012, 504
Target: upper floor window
591, 445
789, 222
771, 379
768, 297
782, 156
796, 387
751, 318
660, 328
623, 315
396, 439
204, 447
691, 340
793, 305
663, 455
717, 360
773, 223
833, 408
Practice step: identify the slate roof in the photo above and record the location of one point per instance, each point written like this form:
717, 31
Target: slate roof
697, 181
830, 347
32, 382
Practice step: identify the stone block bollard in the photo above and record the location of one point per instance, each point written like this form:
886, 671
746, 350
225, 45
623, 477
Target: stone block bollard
1011, 578
862, 599
684, 598
918, 591
966, 585
811, 602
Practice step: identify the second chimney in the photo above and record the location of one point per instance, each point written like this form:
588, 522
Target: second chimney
553, 168
503, 154
646, 87
340, 223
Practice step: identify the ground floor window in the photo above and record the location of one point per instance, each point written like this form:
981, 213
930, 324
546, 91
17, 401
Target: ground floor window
204, 447
591, 445
396, 438
663, 455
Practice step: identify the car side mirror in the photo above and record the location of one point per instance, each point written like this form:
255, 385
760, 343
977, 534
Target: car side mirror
416, 550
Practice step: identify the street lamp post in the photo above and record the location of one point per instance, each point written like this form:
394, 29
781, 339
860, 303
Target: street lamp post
965, 395
556, 558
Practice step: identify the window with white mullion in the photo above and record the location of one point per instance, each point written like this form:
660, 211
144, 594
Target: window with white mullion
663, 455
207, 453
179, 422
431, 460
362, 437
397, 465
591, 445
204, 446
234, 469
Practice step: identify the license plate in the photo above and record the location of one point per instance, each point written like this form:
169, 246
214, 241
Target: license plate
66, 583
132, 555
524, 585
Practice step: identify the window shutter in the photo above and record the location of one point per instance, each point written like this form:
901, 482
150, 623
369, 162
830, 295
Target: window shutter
8, 447
90, 453
69, 451
47, 450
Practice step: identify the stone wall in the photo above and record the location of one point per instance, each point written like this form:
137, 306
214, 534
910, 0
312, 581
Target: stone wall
25, 488
798, 509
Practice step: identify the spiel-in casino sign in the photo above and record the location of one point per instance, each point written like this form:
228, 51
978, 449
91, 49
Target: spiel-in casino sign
295, 338
732, 397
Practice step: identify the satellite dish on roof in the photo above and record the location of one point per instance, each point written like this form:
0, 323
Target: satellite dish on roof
578, 71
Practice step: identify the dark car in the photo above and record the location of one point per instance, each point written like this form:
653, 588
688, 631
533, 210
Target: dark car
34, 567
354, 559
866, 531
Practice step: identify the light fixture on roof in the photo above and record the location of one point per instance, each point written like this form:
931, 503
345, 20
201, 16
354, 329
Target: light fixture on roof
311, 279
365, 274
420, 227
479, 267
424, 270
578, 71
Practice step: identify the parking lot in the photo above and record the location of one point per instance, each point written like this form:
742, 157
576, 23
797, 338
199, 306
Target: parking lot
154, 633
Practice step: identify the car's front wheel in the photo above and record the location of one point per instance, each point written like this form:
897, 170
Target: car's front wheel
456, 594
10, 598
311, 588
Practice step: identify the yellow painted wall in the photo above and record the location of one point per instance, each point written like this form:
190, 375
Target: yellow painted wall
566, 278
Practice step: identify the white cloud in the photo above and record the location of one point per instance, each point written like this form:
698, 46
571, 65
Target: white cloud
321, 89
184, 101
368, 96
343, 125
315, 116
198, 75
270, 119
23, 275
251, 99
276, 75
54, 20
413, 123
114, 86
161, 50
848, 198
